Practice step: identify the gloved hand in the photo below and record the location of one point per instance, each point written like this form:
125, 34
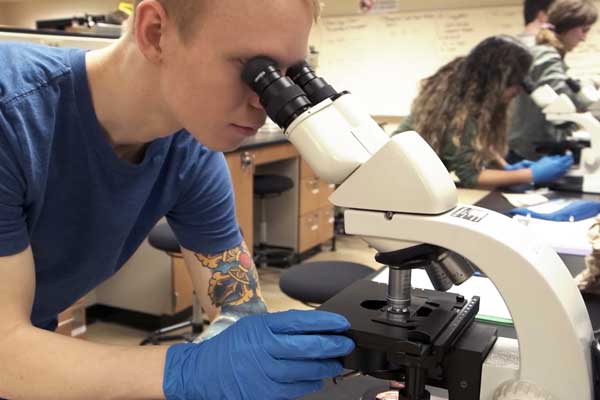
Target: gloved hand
261, 357
550, 168
518, 165
222, 322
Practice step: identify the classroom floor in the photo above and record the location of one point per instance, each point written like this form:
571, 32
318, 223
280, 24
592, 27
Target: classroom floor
348, 249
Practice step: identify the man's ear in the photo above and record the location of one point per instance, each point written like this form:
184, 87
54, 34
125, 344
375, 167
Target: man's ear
542, 17
150, 26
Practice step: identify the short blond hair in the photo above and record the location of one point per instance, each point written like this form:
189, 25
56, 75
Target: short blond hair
185, 12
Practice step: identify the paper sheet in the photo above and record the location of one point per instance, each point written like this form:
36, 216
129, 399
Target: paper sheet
563, 237
525, 199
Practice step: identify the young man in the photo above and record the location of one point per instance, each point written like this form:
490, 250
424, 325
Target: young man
536, 17
94, 149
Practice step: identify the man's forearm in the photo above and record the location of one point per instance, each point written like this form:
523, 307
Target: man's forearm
37, 364
226, 281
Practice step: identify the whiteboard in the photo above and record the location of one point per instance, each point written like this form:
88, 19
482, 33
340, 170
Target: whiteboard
381, 58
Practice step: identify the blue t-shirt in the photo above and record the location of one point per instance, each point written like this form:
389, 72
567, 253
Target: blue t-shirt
64, 191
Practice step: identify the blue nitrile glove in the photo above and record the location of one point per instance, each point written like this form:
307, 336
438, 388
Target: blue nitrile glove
575, 210
519, 165
550, 168
261, 357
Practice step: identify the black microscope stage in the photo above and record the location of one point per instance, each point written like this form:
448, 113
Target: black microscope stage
435, 343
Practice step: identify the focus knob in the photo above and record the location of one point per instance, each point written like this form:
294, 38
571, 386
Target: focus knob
520, 390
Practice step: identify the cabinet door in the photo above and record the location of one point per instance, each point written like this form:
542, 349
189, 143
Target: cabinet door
310, 195
308, 231
183, 289
326, 189
326, 225
241, 167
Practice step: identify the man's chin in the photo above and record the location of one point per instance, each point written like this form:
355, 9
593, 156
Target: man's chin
229, 146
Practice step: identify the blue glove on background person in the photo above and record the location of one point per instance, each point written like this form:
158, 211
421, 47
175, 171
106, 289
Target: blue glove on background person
550, 168
519, 165
264, 356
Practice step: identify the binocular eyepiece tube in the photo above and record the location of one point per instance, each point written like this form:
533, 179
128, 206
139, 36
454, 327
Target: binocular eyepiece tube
285, 97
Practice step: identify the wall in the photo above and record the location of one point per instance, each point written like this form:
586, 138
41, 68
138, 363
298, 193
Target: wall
350, 7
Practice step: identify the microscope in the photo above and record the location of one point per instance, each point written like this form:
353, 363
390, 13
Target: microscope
559, 109
398, 196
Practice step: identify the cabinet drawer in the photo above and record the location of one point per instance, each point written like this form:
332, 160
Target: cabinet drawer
327, 218
326, 190
309, 231
310, 195
306, 171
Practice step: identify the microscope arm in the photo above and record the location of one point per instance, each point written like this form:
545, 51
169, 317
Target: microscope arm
549, 315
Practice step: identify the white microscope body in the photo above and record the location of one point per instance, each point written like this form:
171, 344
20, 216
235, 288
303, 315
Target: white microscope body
559, 109
397, 194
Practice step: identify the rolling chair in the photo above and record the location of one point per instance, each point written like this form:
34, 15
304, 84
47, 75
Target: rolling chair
162, 238
266, 186
315, 282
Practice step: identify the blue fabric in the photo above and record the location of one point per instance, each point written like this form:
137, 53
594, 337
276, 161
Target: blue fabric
261, 357
64, 191
572, 211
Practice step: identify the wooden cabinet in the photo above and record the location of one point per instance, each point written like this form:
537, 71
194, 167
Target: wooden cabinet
241, 167
183, 289
314, 213
315, 222
71, 322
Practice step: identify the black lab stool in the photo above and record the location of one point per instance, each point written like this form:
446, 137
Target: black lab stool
267, 186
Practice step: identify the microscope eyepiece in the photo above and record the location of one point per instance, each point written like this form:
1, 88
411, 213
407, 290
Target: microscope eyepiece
317, 89
280, 96
573, 85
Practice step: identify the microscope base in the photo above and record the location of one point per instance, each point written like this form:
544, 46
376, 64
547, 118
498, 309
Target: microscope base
578, 184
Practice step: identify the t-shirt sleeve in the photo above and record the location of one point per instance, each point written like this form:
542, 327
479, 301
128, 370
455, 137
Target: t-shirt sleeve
14, 237
405, 126
204, 218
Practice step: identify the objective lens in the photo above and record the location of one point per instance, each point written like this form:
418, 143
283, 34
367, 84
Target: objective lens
317, 89
280, 96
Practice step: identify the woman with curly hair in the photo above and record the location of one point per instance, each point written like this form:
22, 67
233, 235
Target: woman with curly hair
461, 112
569, 24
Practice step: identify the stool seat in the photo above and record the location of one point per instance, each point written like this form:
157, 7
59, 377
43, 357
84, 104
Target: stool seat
318, 281
161, 237
271, 184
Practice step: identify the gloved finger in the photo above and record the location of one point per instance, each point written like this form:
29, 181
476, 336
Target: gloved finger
298, 389
566, 162
285, 371
299, 321
527, 163
309, 347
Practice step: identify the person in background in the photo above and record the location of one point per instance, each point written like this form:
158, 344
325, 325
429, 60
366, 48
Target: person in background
461, 112
570, 21
366, 5
95, 148
535, 13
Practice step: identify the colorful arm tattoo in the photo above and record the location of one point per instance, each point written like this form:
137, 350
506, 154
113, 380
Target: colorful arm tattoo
234, 283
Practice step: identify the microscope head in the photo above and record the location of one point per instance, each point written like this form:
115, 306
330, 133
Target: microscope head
547, 99
344, 145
